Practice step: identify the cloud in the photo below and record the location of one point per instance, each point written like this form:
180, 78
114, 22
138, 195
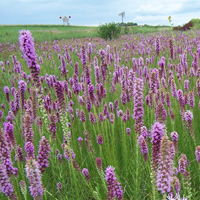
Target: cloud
158, 9
96, 12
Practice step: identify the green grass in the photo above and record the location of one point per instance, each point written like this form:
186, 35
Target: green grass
10, 33
40, 33
119, 149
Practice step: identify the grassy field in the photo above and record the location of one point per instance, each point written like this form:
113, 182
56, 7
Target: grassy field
75, 94
10, 33
46, 32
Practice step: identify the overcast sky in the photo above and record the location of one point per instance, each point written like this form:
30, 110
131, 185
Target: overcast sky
95, 12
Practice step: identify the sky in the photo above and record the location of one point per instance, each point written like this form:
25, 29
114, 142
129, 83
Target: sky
96, 12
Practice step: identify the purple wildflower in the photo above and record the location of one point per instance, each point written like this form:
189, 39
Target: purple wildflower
168, 100
111, 118
197, 154
186, 85
82, 116
113, 187
100, 139
174, 136
99, 163
128, 131
171, 48
52, 125
34, 176
157, 45
83, 55
85, 173
161, 113
157, 133
60, 96
80, 139
143, 147
182, 163
5, 185
101, 117
68, 153
27, 124
175, 186
43, 154
29, 148
8, 129
116, 104
6, 91
188, 116
59, 186
88, 104
5, 155
22, 89
111, 106
20, 154
27, 47
153, 82
138, 110
165, 167
3, 106
191, 99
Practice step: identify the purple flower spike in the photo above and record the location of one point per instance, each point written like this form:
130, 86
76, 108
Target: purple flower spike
161, 113
174, 136
80, 139
85, 173
113, 186
59, 88
157, 45
5, 184
100, 139
157, 133
29, 148
8, 129
20, 154
43, 154
99, 163
197, 154
165, 167
6, 91
82, 116
27, 47
182, 163
5, 155
34, 176
143, 147
138, 110
22, 89
128, 131
144, 132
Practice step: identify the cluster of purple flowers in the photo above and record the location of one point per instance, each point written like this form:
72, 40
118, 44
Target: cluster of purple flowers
114, 188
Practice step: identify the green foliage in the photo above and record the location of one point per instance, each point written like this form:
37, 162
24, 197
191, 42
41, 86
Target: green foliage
131, 24
196, 23
109, 31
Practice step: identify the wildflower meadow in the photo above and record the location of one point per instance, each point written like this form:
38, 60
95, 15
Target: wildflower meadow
90, 119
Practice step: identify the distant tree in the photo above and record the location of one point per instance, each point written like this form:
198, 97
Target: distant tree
131, 24
109, 31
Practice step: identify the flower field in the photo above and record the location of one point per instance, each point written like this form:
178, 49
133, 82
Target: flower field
95, 119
